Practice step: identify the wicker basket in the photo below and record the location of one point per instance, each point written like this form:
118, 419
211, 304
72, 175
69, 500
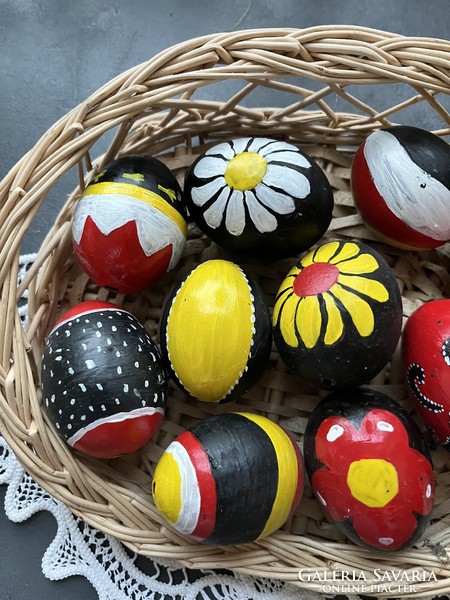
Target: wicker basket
163, 108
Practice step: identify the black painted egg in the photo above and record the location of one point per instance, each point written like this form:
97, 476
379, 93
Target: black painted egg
103, 383
370, 469
259, 197
401, 186
216, 332
129, 226
338, 315
229, 479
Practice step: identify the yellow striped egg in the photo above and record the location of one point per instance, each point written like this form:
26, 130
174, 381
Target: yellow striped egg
229, 479
216, 332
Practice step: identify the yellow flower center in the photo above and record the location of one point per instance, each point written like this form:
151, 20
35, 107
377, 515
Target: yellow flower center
373, 481
245, 171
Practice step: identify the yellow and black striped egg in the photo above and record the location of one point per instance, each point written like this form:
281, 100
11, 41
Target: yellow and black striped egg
229, 479
216, 333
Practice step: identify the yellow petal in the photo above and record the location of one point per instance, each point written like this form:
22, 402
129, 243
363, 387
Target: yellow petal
308, 259
325, 252
335, 326
285, 316
368, 287
358, 309
309, 320
287, 284
347, 251
364, 263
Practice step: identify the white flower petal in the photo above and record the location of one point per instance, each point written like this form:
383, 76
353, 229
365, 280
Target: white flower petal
278, 146
259, 143
210, 166
240, 144
293, 158
278, 202
292, 182
263, 220
214, 214
200, 195
235, 215
223, 149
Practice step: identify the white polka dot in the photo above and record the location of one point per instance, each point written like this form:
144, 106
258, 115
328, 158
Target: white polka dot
99, 386
103, 407
387, 541
58, 358
72, 401
109, 341
113, 328
428, 491
69, 426
90, 364
83, 418
117, 401
136, 364
119, 370
84, 346
383, 426
334, 433
126, 387
99, 324
82, 387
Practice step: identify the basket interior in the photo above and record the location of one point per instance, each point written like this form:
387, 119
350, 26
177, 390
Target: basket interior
321, 89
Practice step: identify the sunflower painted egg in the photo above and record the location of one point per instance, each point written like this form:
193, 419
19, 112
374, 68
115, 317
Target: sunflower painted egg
103, 383
426, 365
229, 479
259, 197
338, 315
370, 469
216, 332
401, 186
129, 226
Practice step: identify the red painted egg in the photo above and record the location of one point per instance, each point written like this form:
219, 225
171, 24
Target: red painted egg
401, 186
426, 365
103, 385
370, 469
129, 226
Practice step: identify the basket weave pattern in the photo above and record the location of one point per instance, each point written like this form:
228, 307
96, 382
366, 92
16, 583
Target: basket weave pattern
162, 108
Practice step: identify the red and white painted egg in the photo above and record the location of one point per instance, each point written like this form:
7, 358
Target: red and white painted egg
103, 385
370, 469
401, 186
426, 365
129, 226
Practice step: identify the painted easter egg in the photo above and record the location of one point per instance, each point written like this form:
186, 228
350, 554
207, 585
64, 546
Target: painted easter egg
401, 186
338, 315
259, 197
426, 365
229, 479
103, 384
370, 469
216, 333
129, 226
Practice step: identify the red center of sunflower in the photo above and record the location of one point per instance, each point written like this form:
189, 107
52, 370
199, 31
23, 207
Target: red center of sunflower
315, 279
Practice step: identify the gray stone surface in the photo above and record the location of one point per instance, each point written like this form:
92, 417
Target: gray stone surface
53, 54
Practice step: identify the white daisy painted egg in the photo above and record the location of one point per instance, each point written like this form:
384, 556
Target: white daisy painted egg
129, 225
401, 186
259, 197
216, 333
103, 384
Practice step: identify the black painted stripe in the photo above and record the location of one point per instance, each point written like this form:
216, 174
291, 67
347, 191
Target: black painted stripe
245, 467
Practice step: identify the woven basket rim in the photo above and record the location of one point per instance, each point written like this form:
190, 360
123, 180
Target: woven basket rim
154, 104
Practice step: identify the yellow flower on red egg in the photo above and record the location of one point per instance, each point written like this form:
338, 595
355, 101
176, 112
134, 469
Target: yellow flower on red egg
335, 279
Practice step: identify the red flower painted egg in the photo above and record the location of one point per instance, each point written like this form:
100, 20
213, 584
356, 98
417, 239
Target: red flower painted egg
401, 186
103, 385
426, 365
370, 469
129, 226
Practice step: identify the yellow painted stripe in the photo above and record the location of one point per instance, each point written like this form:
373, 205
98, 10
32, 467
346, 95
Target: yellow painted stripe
287, 472
166, 487
138, 193
210, 329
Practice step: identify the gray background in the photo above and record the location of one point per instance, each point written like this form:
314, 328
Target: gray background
53, 54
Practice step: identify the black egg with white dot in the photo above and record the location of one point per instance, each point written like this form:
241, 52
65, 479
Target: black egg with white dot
103, 384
